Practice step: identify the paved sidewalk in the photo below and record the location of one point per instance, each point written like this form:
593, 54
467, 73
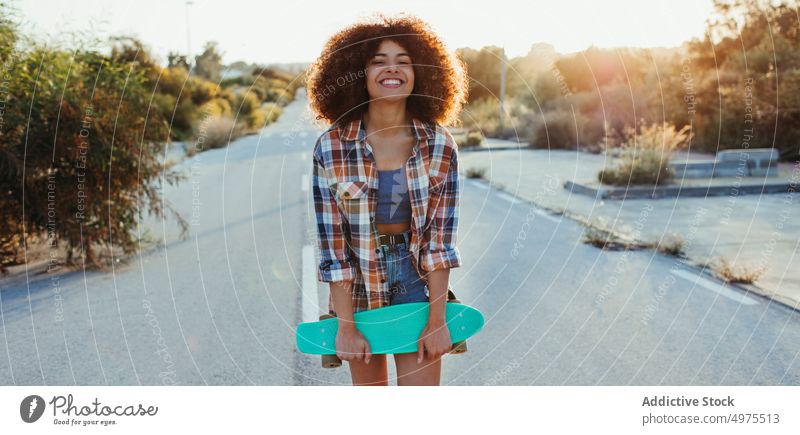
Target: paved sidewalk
749, 231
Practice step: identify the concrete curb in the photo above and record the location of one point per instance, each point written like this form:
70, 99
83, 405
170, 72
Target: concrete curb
635, 192
686, 261
481, 149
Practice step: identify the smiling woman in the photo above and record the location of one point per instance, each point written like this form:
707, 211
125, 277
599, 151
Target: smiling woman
386, 185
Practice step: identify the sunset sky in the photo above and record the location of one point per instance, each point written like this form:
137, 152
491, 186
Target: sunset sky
294, 31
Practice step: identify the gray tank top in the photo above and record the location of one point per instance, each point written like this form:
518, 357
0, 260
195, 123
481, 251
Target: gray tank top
394, 202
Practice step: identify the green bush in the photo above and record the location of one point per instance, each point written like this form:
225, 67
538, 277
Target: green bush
554, 130
559, 129
172, 81
245, 103
272, 111
644, 157
91, 144
83, 134
474, 138
643, 167
255, 121
469, 139
202, 91
484, 115
218, 107
260, 117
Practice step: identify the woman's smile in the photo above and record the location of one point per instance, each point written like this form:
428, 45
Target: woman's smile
391, 83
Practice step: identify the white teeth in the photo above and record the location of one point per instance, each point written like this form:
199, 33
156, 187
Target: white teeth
390, 82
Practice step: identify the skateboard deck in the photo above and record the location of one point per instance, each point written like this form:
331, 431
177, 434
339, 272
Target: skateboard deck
389, 330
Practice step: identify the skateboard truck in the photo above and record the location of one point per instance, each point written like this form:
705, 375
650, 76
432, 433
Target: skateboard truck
332, 361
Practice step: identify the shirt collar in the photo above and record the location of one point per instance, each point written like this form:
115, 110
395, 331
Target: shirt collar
354, 130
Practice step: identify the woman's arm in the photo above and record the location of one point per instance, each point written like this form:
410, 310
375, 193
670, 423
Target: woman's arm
437, 286
435, 337
350, 343
342, 293
439, 250
439, 255
335, 263
335, 266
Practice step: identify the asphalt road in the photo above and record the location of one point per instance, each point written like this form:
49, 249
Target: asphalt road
220, 307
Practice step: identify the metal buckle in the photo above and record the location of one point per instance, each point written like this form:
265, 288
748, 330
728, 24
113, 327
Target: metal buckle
391, 239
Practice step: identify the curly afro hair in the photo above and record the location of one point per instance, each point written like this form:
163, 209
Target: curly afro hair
337, 79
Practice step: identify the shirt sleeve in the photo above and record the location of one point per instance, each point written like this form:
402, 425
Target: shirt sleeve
335, 260
439, 249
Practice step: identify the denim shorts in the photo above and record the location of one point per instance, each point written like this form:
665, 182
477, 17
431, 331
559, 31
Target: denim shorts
405, 283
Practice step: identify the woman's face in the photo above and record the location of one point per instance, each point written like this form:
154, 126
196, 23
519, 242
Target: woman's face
390, 76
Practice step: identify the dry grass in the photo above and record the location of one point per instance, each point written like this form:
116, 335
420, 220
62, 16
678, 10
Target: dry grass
476, 173
732, 273
604, 239
600, 235
216, 132
644, 156
671, 244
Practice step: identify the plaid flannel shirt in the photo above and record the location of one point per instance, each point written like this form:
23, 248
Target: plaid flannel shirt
345, 185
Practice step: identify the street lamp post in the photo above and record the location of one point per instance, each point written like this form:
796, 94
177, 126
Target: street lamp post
502, 86
188, 37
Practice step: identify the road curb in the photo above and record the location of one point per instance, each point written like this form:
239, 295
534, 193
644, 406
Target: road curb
634, 192
686, 261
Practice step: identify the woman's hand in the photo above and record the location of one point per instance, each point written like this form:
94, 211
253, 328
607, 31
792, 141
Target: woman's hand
435, 339
351, 345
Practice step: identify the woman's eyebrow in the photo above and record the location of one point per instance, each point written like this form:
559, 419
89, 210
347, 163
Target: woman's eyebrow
398, 54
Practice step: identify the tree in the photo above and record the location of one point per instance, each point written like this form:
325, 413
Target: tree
177, 60
596, 67
209, 63
483, 68
748, 65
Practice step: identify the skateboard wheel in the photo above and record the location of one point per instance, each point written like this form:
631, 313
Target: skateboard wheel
331, 361
459, 347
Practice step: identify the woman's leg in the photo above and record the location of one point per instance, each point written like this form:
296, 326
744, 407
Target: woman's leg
410, 373
374, 373
412, 288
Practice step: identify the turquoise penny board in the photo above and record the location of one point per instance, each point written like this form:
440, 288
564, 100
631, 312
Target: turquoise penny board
389, 330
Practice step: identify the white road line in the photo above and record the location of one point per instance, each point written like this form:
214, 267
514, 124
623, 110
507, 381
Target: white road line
304, 183
310, 297
548, 216
508, 197
714, 287
479, 184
